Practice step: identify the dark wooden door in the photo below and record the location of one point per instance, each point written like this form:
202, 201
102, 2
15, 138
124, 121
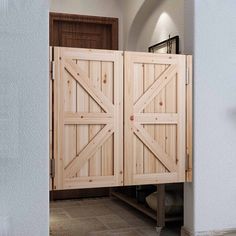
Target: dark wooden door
78, 31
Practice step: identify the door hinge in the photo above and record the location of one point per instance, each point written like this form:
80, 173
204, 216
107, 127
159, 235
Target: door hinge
187, 76
187, 162
52, 168
52, 70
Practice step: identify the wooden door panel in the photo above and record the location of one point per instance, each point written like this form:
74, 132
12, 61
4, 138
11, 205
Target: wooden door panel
68, 30
86, 35
154, 118
88, 118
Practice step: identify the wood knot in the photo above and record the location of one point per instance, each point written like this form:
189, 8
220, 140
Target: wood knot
161, 103
132, 118
104, 81
90, 181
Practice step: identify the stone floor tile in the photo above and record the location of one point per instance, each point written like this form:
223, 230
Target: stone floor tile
59, 216
134, 222
101, 217
78, 227
113, 221
64, 204
95, 201
147, 231
88, 211
120, 232
84, 226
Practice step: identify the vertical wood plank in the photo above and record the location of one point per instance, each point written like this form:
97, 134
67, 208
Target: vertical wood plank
82, 106
69, 88
137, 93
171, 107
118, 119
181, 105
95, 79
69, 143
189, 104
129, 170
149, 158
59, 118
58, 180
50, 115
160, 107
108, 90
69, 85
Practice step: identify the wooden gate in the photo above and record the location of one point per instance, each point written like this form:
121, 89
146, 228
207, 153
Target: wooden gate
88, 118
155, 122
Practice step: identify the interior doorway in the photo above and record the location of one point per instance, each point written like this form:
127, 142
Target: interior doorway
71, 31
68, 30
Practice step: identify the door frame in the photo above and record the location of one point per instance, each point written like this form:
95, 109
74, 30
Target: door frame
113, 22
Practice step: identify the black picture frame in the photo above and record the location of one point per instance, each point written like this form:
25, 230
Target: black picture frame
169, 46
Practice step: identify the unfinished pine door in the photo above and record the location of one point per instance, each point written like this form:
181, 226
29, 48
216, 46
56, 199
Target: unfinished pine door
88, 123
155, 123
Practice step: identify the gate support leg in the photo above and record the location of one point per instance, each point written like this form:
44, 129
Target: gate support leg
160, 207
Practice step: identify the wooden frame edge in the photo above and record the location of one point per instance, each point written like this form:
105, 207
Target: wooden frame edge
189, 118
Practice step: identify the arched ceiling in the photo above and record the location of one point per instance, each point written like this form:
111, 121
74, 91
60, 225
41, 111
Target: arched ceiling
144, 12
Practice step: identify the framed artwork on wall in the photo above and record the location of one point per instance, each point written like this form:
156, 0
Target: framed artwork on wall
169, 46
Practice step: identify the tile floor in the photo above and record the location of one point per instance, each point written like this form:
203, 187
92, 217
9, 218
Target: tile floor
101, 217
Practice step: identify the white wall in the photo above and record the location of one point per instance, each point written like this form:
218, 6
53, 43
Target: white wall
130, 11
215, 114
166, 19
24, 106
107, 8
214, 189
189, 49
149, 22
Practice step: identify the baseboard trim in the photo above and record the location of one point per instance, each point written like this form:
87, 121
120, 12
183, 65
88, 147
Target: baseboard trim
226, 232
